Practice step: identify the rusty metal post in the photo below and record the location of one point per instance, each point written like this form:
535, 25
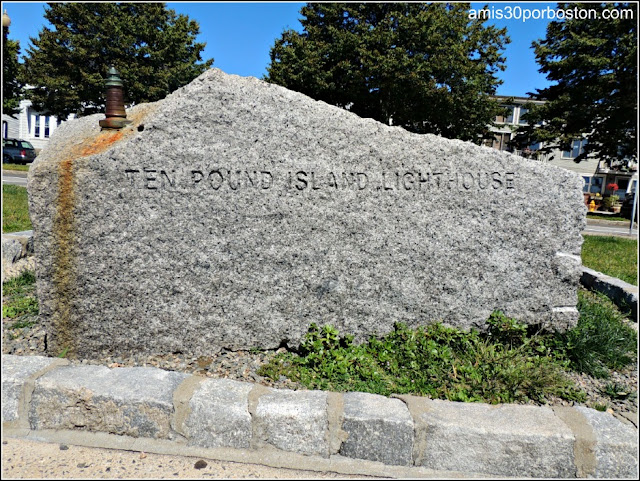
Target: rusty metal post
115, 113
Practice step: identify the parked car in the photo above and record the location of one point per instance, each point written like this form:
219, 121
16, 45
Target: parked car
16, 151
627, 206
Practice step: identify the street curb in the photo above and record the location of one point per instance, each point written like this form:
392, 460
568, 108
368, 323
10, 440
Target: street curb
623, 294
152, 410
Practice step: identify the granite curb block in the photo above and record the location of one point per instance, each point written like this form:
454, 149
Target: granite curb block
150, 405
623, 294
16, 245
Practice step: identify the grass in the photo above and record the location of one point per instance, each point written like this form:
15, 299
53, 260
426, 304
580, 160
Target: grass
508, 363
613, 256
19, 300
601, 341
15, 210
21, 167
596, 215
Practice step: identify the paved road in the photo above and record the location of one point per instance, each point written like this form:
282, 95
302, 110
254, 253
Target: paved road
14, 177
607, 230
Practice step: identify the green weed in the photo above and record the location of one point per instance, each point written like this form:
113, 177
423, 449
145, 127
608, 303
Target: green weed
20, 306
15, 210
435, 361
601, 341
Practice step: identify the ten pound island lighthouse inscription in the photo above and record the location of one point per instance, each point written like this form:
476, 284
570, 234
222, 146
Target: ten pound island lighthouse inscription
234, 213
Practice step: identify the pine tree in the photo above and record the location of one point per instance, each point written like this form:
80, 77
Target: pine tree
11, 86
153, 49
425, 67
593, 64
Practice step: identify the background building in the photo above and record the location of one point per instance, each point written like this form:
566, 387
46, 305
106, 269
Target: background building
30, 125
596, 174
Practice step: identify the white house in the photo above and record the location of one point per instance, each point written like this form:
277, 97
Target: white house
595, 174
30, 125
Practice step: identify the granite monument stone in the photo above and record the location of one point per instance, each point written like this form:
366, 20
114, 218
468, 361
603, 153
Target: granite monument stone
235, 212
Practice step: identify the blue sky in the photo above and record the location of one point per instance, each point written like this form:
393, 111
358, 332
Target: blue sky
239, 35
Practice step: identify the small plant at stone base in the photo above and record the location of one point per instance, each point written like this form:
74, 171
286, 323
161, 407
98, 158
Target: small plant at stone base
17, 299
601, 341
599, 407
616, 391
435, 361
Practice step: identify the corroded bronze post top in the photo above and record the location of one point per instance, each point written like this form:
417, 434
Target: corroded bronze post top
116, 117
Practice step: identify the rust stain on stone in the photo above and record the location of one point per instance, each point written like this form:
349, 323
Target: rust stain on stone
65, 229
101, 143
64, 275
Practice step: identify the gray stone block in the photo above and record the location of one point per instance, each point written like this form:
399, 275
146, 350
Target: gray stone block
616, 448
235, 213
219, 415
16, 371
378, 428
293, 421
133, 401
507, 440
12, 250
623, 294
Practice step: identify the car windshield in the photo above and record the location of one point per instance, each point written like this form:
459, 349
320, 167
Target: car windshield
25, 145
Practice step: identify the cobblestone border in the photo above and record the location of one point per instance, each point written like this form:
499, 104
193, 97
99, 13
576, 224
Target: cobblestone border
346, 432
623, 294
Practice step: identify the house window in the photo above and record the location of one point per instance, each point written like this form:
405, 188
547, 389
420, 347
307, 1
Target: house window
522, 118
501, 141
593, 184
577, 147
5, 129
509, 118
36, 130
501, 119
46, 126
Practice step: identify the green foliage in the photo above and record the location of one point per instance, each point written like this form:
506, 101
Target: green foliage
153, 49
613, 256
20, 306
12, 91
616, 391
15, 210
426, 67
436, 361
592, 67
21, 284
601, 341
610, 201
19, 300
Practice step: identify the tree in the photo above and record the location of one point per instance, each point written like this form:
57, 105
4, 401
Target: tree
11, 86
425, 67
153, 49
593, 65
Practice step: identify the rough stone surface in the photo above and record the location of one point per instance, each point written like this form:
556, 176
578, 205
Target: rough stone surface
616, 445
11, 250
623, 294
379, 429
16, 370
293, 421
234, 213
133, 401
219, 415
508, 440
